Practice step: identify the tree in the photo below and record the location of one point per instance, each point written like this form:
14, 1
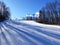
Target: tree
50, 13
4, 12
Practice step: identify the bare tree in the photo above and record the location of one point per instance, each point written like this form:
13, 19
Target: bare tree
50, 13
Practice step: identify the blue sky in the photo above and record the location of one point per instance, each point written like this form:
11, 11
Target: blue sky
19, 8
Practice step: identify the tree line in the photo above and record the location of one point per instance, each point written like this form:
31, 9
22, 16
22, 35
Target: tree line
49, 14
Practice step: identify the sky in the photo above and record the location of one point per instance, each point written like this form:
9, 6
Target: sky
19, 8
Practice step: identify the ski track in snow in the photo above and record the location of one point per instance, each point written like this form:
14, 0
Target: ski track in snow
28, 33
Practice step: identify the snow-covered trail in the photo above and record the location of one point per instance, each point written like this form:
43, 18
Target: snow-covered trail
28, 33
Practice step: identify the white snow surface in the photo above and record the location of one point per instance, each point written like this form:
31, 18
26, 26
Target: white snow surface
28, 33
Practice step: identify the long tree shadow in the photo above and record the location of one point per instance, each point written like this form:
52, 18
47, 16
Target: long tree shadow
33, 36
39, 29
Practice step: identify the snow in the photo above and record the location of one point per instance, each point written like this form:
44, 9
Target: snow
28, 33
37, 24
37, 14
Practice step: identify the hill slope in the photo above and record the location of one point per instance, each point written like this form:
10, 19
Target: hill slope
28, 33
